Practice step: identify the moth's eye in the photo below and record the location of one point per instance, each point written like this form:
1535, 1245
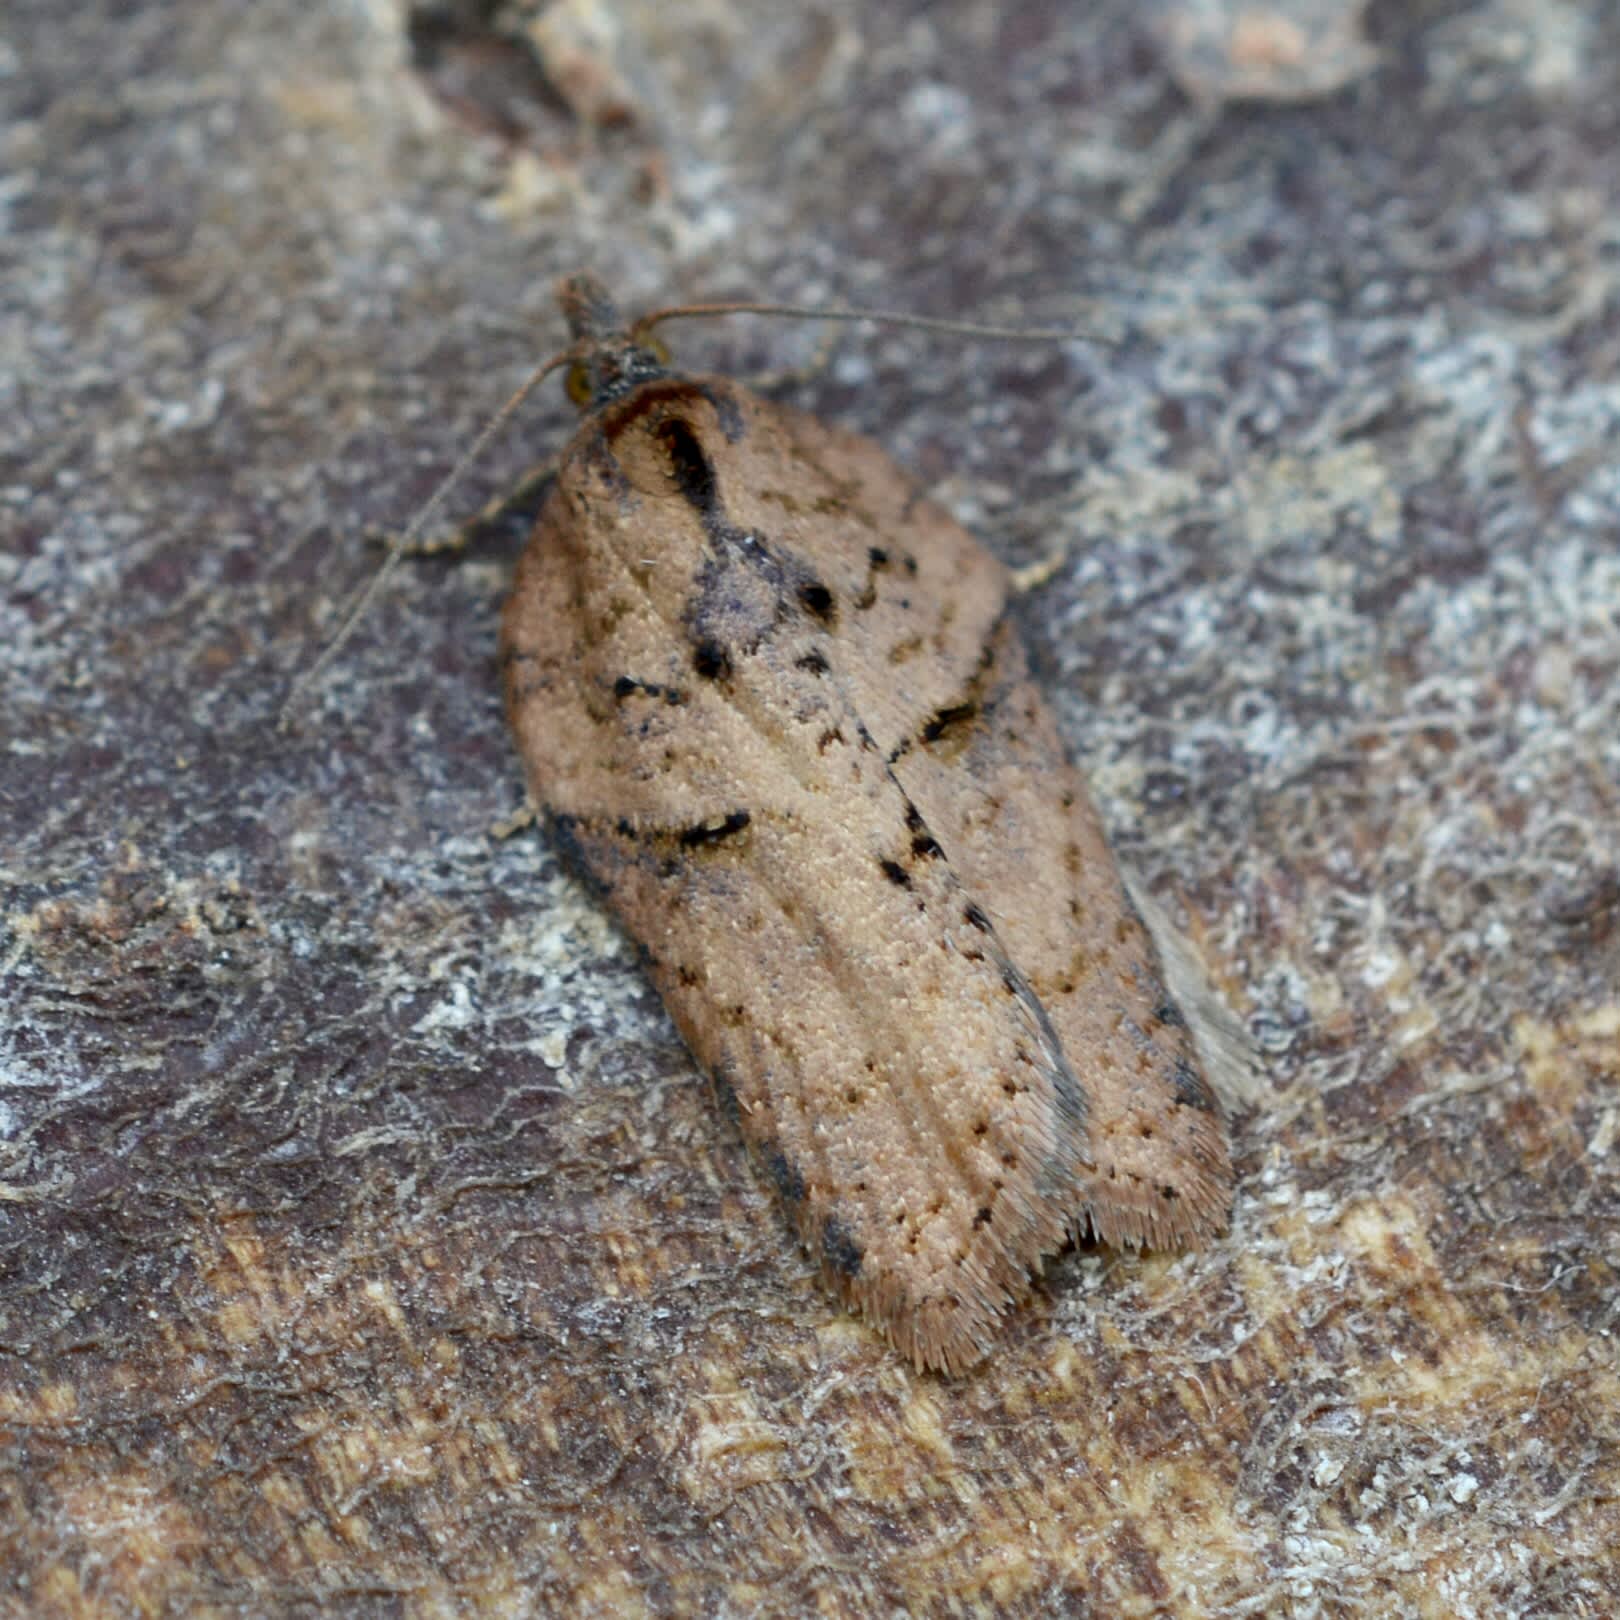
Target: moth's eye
577, 381
649, 342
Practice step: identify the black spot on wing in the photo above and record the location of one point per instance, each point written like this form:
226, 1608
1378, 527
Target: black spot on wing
819, 602
923, 843
712, 832
840, 1250
627, 686
785, 1176
896, 873
951, 720
711, 660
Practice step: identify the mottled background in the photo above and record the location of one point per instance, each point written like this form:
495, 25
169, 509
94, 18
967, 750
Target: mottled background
368, 1243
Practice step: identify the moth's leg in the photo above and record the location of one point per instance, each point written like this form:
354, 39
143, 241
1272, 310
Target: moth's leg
525, 815
519, 504
1033, 575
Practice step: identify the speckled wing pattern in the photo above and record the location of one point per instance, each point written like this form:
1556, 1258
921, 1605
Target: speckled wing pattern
768, 699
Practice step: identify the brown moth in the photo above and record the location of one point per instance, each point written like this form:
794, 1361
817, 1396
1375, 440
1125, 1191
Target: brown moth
771, 704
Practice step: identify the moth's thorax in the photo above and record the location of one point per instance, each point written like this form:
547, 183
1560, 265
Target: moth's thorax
650, 487
612, 369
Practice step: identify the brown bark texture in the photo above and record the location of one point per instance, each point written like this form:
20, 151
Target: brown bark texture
369, 1244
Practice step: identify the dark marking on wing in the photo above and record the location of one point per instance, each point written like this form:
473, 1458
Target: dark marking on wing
725, 1093
1191, 1088
711, 660
728, 413
785, 1176
924, 847
693, 471
951, 722
627, 686
596, 454
953, 718
819, 602
711, 832
564, 831
840, 1250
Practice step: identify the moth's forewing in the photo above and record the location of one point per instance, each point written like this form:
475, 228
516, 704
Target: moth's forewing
766, 696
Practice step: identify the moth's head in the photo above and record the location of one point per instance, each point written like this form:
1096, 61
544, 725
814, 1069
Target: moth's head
610, 357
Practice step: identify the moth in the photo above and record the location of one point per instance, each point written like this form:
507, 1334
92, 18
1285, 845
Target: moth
769, 699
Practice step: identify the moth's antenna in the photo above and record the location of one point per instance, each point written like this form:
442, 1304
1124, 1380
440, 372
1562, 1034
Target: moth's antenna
926, 323
403, 544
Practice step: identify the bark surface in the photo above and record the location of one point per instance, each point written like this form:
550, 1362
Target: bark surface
368, 1242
